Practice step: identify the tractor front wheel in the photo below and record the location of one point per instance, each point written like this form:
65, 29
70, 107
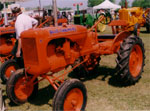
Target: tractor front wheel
70, 96
18, 88
131, 60
7, 68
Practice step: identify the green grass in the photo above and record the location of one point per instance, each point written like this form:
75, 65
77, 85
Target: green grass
104, 94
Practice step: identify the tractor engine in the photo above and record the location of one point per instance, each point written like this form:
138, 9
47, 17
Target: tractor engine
132, 15
54, 48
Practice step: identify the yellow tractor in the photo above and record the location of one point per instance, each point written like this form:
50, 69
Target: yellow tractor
132, 19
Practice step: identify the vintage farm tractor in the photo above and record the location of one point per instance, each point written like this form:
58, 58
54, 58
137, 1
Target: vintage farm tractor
88, 18
7, 42
47, 51
132, 19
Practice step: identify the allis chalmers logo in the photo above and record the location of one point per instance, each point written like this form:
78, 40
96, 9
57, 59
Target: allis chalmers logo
62, 30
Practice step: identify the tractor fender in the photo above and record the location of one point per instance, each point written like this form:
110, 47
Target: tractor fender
7, 30
119, 39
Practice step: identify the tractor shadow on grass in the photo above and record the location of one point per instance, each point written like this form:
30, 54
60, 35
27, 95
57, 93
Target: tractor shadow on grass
43, 96
104, 73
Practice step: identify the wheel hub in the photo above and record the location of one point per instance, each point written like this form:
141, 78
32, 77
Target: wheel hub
135, 61
73, 100
22, 89
9, 71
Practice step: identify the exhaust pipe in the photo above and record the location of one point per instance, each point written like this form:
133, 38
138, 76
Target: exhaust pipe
55, 12
5, 15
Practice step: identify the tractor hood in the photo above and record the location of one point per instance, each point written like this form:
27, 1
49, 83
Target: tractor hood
66, 31
36, 43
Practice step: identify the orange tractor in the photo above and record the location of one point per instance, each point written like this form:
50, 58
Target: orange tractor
131, 19
47, 51
7, 42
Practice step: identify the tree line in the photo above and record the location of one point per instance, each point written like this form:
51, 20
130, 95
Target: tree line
136, 3
91, 3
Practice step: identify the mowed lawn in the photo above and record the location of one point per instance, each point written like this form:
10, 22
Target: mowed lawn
104, 92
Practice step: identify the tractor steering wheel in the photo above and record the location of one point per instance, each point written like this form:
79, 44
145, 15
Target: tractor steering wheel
107, 16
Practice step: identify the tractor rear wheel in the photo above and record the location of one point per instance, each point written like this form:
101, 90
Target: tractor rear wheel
7, 68
18, 88
148, 23
148, 28
70, 96
131, 60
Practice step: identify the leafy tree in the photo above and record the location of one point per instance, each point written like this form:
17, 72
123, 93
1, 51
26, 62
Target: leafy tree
113, 1
146, 4
137, 3
65, 8
1, 6
7, 3
92, 3
141, 3
122, 3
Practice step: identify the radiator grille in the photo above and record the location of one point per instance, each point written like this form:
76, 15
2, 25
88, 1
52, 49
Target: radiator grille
29, 50
124, 15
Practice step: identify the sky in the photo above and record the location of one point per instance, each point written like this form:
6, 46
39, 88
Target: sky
60, 3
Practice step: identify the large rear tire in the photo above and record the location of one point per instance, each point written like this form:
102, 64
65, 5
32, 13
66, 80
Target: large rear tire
148, 22
17, 88
131, 60
70, 96
7, 68
148, 28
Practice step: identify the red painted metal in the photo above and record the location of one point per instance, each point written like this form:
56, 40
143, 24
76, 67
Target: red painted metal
6, 43
73, 100
135, 61
53, 49
23, 89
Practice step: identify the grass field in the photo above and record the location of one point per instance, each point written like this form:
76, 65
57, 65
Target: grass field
104, 92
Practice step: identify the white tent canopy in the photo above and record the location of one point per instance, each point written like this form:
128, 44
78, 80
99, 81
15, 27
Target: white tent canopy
107, 5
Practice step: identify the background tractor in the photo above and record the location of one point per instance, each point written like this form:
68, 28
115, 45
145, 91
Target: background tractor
132, 19
88, 18
53, 49
7, 41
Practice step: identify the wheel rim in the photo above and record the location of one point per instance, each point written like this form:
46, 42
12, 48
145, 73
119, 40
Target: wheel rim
136, 61
9, 70
101, 27
73, 100
108, 20
22, 89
